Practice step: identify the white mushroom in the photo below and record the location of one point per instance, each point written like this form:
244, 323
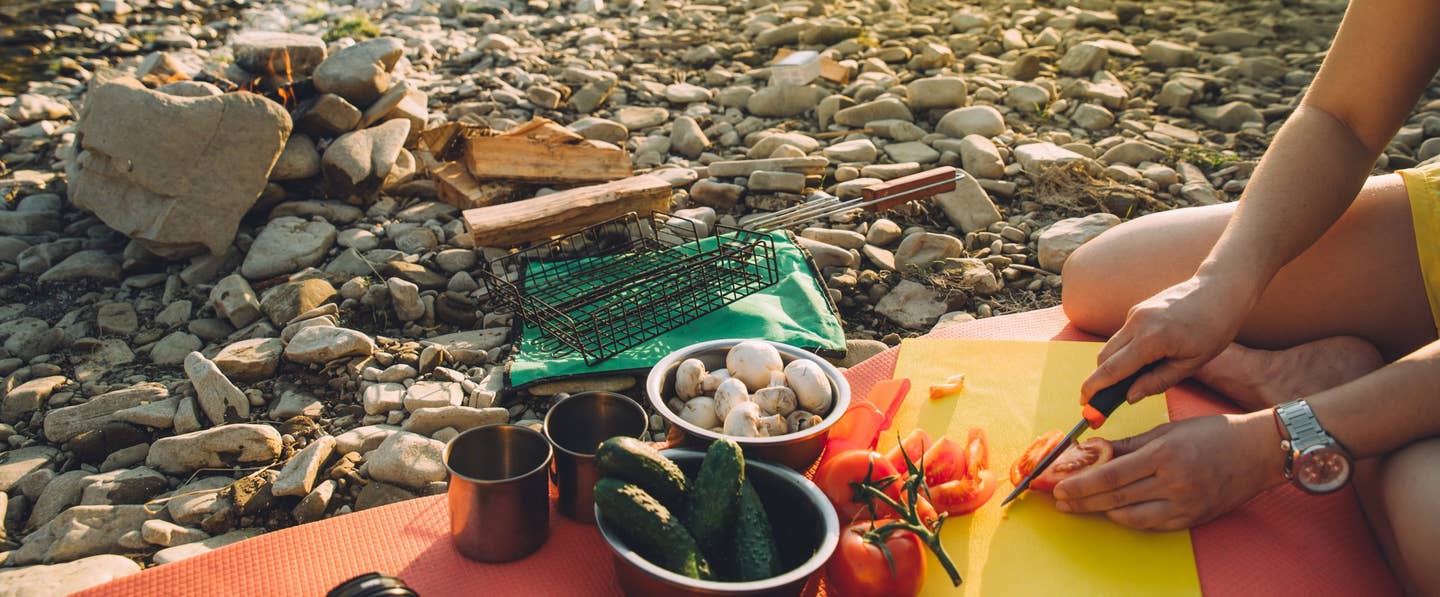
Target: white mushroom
772, 426
752, 361
700, 411
811, 386
801, 420
775, 401
688, 378
730, 393
743, 420
712, 380
777, 379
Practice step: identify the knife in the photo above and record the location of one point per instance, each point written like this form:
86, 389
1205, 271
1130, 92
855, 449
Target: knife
1101, 405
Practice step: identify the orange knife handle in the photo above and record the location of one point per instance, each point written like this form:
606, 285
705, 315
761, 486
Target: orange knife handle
1104, 402
905, 189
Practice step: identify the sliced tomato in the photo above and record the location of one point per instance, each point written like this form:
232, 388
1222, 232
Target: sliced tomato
860, 568
944, 461
855, 429
839, 474
963, 496
914, 446
1087, 453
1033, 455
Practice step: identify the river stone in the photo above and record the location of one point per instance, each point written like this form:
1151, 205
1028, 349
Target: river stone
1036, 158
920, 250
327, 116
60, 493
1060, 239
358, 162
175, 174
406, 299
250, 360
219, 399
298, 476
426, 421
31, 337
380, 398
123, 486
67, 578
320, 344
218, 447
974, 120
298, 160
968, 207
882, 109
79, 532
17, 463
282, 303
26, 398
783, 101
407, 459
274, 53
360, 73
1230, 117
936, 92
159, 414
428, 394
296, 404
363, 439
204, 546
172, 349
64, 423
912, 305
168, 534
85, 264
234, 300
286, 245
980, 157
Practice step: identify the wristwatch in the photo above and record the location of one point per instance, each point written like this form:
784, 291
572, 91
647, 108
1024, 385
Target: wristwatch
1314, 461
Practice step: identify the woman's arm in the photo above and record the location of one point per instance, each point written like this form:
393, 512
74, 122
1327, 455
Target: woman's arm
1383, 57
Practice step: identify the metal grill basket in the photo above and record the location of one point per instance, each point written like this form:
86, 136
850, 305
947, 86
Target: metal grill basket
617, 284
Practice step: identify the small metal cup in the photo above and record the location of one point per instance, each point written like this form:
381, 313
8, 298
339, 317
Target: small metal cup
499, 493
576, 426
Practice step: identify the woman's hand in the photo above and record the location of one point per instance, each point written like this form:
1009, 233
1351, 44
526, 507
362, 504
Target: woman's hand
1180, 474
1181, 327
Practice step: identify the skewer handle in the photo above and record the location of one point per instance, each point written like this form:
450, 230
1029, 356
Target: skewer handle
893, 193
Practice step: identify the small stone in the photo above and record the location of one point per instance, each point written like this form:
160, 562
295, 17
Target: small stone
827, 255
358, 162
1132, 153
219, 399
1230, 117
858, 150
64, 579
783, 182
321, 344
912, 305
287, 244
719, 195
406, 298
274, 53
919, 250
882, 109
408, 460
283, 302
883, 232
85, 264
1093, 117
298, 476
636, 118
159, 414
250, 360
685, 93
936, 92
985, 121
428, 394
328, 116
360, 73
1062, 238
687, 138
26, 398
1083, 59
172, 349
381, 398
298, 160
427, 421
912, 151
784, 101
361, 440
1168, 54
981, 158
858, 351
79, 532
973, 275
168, 534
845, 239
62, 424
968, 207
234, 300
219, 447
190, 550
1036, 158
117, 319
313, 506
376, 494
124, 486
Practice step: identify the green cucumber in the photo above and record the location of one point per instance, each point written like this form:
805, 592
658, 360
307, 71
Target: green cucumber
756, 556
713, 498
649, 528
635, 461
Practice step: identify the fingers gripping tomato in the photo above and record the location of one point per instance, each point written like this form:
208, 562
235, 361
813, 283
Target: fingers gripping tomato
861, 568
1088, 453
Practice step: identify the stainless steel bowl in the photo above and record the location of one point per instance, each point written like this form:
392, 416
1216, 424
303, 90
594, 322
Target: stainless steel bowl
806, 532
796, 450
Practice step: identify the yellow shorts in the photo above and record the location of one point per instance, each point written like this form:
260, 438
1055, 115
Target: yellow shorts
1423, 186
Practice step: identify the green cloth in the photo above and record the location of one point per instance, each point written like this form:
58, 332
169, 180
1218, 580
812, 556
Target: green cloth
795, 310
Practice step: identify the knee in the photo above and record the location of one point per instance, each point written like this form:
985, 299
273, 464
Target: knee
1409, 484
1087, 290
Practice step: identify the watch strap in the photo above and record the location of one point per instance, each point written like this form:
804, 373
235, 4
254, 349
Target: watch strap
1299, 425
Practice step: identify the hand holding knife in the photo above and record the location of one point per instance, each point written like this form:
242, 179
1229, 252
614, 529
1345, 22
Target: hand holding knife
1095, 412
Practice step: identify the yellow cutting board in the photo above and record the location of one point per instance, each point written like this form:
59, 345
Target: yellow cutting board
1017, 390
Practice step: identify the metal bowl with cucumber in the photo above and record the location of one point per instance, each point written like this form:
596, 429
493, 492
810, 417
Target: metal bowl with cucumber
801, 521
798, 449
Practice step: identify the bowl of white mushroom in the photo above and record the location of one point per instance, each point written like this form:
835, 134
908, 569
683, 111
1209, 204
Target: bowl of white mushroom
777, 401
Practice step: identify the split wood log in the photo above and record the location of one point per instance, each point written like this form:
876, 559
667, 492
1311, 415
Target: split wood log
543, 152
563, 212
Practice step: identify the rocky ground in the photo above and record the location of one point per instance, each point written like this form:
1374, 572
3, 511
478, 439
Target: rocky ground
185, 365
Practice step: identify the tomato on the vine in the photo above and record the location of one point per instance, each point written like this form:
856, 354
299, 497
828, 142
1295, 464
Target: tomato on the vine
860, 568
840, 473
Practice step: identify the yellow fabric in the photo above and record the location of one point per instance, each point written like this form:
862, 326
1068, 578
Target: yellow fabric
1423, 186
1016, 390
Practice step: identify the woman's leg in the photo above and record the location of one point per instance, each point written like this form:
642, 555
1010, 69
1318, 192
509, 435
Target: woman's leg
1410, 490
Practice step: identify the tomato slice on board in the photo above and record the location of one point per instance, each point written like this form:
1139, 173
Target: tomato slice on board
963, 496
861, 569
914, 446
1087, 453
838, 474
1033, 455
944, 461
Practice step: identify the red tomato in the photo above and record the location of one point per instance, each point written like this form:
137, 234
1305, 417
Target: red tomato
914, 446
1087, 453
855, 429
923, 509
1033, 455
963, 496
860, 569
838, 475
944, 461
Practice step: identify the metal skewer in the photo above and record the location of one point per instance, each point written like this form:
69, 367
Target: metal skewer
879, 197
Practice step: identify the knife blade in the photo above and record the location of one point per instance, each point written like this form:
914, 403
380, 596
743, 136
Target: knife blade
1100, 407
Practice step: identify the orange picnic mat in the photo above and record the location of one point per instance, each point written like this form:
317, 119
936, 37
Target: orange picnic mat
1282, 543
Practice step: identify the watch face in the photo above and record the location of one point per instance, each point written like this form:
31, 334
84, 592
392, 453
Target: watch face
1322, 469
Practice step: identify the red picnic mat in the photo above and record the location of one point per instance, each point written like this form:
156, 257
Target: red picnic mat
1282, 543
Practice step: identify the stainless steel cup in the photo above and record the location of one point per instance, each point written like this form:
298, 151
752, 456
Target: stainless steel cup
499, 492
576, 426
